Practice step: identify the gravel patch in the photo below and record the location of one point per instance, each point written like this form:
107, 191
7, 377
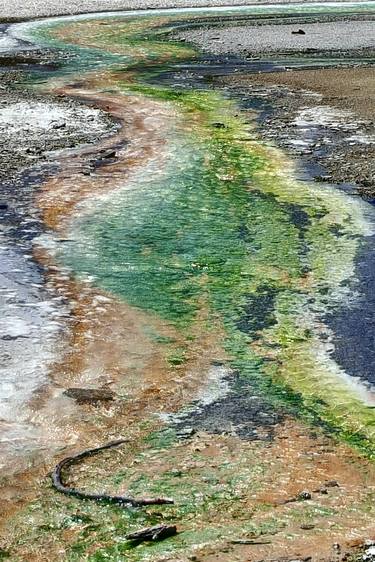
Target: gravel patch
273, 38
23, 9
323, 116
48, 124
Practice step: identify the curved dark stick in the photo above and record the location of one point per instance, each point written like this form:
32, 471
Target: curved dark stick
59, 485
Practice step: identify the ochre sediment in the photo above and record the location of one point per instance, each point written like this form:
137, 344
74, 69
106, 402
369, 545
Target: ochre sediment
110, 344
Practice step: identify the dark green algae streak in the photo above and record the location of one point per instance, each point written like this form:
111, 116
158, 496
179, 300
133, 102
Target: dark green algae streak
223, 226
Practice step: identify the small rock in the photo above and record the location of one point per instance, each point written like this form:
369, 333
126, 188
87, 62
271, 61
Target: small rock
325, 178
307, 527
219, 125
186, 432
369, 554
304, 495
321, 490
331, 484
299, 32
59, 126
89, 395
107, 154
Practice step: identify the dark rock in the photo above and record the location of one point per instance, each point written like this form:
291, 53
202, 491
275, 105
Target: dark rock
331, 484
299, 32
59, 126
107, 154
219, 125
304, 495
89, 395
367, 183
323, 178
4, 206
307, 527
186, 432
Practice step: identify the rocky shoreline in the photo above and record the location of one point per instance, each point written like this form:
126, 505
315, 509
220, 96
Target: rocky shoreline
333, 138
33, 127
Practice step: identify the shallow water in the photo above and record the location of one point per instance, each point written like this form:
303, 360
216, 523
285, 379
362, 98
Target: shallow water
213, 222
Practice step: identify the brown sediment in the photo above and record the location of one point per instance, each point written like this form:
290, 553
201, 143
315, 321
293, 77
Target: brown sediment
129, 355
346, 156
296, 460
347, 88
110, 344
299, 461
92, 35
85, 173
114, 345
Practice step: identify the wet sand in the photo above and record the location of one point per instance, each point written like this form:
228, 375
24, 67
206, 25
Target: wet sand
337, 104
351, 89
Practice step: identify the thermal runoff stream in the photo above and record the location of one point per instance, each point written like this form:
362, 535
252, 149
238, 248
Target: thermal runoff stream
198, 270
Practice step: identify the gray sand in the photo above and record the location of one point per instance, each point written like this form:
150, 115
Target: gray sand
17, 9
268, 38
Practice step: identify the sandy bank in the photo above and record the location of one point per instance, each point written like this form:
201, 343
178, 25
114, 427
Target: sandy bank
347, 88
273, 38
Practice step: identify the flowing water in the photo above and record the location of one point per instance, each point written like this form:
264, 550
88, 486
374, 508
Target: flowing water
197, 227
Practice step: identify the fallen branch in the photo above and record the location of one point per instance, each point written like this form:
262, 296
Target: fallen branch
249, 541
157, 533
58, 483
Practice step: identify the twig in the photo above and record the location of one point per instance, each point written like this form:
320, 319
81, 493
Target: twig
249, 541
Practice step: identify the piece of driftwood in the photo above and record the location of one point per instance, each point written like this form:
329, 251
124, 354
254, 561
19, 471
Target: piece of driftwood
60, 486
249, 541
157, 533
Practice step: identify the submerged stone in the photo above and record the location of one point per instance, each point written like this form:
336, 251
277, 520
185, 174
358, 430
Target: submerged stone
89, 395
